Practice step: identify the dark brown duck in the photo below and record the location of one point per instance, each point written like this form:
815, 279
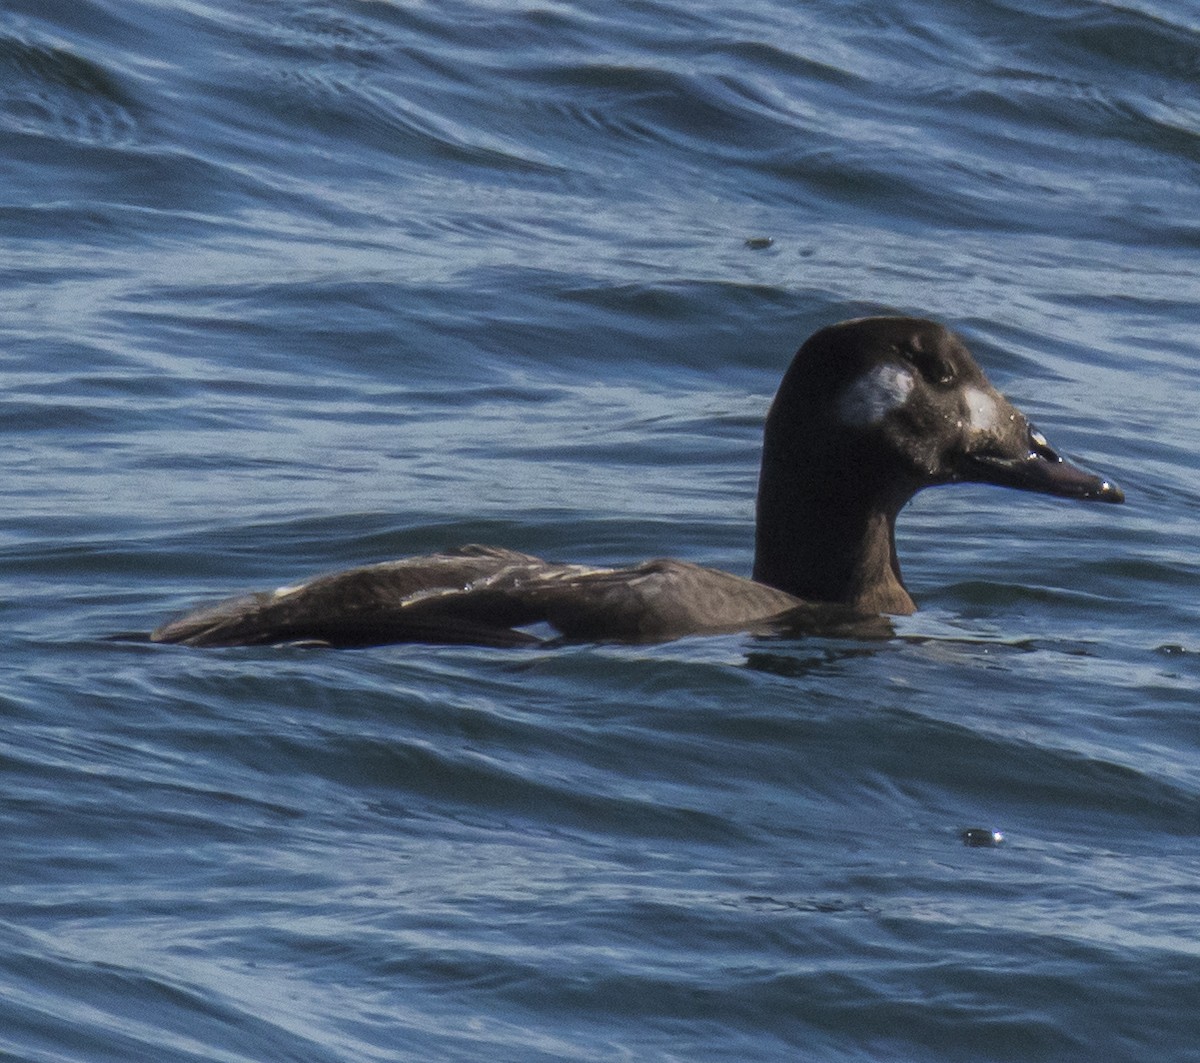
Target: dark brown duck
870, 412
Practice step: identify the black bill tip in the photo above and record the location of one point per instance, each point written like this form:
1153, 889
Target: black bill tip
1109, 492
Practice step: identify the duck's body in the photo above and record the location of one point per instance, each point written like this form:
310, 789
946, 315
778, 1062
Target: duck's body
870, 412
483, 595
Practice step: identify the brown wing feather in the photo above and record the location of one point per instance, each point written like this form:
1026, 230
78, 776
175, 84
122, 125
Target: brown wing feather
395, 601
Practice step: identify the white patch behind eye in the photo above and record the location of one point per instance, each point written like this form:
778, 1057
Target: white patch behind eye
874, 395
982, 409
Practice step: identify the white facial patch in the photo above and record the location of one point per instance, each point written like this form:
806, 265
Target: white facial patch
874, 395
982, 413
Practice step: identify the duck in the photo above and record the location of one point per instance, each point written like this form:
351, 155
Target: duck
869, 412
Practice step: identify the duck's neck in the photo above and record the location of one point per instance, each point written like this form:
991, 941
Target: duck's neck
829, 541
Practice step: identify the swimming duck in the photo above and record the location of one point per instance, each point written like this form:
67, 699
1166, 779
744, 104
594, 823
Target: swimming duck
870, 412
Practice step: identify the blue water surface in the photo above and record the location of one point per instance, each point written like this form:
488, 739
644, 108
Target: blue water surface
294, 286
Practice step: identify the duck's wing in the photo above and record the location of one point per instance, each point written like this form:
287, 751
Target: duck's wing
483, 595
459, 596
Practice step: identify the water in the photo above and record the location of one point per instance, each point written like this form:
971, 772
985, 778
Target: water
296, 286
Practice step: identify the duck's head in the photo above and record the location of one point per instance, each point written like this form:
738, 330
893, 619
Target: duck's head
901, 399
870, 412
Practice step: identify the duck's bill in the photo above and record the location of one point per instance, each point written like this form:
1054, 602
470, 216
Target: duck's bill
1037, 467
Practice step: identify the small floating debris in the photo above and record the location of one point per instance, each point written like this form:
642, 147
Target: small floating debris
981, 838
759, 243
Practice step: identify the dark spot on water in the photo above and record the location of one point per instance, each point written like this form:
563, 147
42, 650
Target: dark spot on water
981, 838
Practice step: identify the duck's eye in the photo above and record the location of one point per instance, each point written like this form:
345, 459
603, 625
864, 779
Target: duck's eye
933, 368
941, 373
